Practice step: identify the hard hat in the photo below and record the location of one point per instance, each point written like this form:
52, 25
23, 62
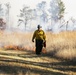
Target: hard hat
39, 26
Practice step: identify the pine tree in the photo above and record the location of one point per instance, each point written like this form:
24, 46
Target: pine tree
7, 14
57, 9
25, 15
1, 11
61, 9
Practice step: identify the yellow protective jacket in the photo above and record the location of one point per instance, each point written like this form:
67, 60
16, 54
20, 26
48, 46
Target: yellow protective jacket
39, 34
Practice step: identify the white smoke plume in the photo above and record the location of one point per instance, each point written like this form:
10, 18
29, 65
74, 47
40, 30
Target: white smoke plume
16, 40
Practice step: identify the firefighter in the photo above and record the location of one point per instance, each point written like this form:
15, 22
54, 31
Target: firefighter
40, 39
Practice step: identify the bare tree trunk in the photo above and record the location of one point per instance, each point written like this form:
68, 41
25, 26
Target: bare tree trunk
67, 26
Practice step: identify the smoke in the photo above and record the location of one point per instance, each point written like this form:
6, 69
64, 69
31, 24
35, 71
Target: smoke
16, 41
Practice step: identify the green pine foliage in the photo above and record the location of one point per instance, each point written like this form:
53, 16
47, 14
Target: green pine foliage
61, 9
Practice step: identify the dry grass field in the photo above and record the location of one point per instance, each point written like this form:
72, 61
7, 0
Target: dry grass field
63, 45
17, 54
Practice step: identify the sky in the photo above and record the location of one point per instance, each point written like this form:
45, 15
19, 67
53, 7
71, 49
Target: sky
16, 5
70, 8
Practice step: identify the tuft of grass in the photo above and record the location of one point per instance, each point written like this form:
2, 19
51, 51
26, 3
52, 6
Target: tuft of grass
62, 45
67, 54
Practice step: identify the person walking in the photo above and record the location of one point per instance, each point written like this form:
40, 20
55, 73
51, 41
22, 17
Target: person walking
40, 39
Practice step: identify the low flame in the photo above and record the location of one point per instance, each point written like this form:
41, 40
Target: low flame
14, 47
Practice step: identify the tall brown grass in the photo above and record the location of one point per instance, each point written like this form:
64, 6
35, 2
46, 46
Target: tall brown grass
61, 45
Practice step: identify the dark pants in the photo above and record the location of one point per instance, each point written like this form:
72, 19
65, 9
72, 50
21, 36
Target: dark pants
39, 46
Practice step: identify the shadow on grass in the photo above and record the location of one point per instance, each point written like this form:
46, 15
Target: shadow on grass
63, 65
25, 71
17, 70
